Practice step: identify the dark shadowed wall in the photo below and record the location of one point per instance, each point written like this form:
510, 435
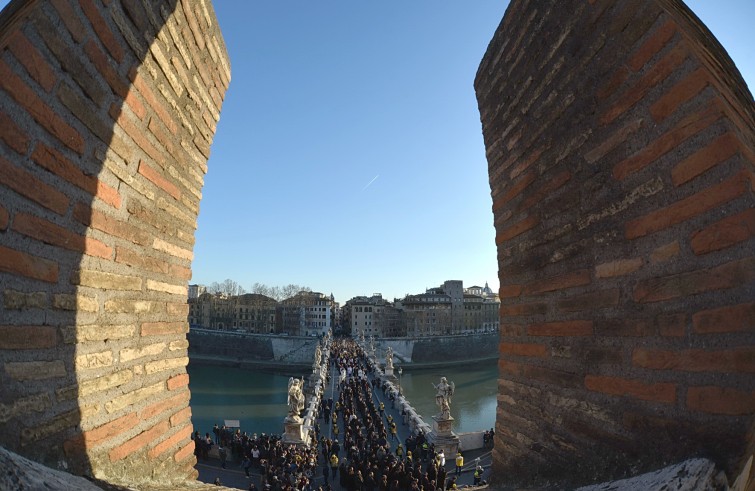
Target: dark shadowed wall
107, 112
620, 142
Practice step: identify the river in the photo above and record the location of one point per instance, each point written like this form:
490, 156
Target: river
258, 399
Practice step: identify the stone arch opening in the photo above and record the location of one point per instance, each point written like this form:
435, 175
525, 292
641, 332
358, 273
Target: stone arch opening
625, 235
108, 112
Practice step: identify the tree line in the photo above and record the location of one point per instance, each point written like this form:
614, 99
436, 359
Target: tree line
233, 288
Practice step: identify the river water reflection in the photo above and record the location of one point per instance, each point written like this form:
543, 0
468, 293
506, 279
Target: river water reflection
258, 399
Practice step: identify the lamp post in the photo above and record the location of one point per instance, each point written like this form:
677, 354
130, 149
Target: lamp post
400, 371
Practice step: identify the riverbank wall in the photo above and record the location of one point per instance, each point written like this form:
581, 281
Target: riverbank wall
246, 350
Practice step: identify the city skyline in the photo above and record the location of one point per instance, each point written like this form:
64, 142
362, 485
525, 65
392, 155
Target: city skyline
349, 155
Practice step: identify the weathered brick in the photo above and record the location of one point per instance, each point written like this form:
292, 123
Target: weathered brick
58, 164
30, 57
672, 325
133, 397
181, 416
143, 88
138, 442
523, 309
524, 349
28, 337
724, 233
731, 318
734, 360
717, 151
721, 400
12, 135
162, 328
4, 219
517, 229
15, 300
35, 370
39, 110
132, 306
547, 189
623, 327
179, 437
509, 291
161, 286
110, 225
23, 406
130, 354
75, 302
104, 33
660, 146
29, 186
602, 356
93, 360
172, 249
513, 191
181, 309
99, 332
665, 252
652, 45
158, 179
559, 378
107, 281
173, 402
648, 391
560, 282
106, 382
141, 261
110, 430
134, 130
619, 267
70, 19
689, 207
50, 233
67, 420
561, 328
725, 276
600, 299
166, 139
181, 344
185, 452
166, 364
617, 80
680, 93
22, 264
178, 381
649, 79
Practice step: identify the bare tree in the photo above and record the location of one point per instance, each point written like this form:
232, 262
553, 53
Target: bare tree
231, 288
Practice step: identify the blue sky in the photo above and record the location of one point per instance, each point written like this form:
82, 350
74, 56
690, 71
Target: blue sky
349, 156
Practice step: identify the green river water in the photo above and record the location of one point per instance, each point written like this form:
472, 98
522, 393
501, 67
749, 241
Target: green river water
258, 399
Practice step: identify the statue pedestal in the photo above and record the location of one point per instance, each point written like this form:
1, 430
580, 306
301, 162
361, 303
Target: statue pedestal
443, 436
388, 371
293, 433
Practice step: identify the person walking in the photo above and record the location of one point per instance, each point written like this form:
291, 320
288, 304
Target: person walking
333, 466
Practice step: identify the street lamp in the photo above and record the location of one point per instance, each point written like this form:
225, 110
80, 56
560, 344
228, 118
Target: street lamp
400, 371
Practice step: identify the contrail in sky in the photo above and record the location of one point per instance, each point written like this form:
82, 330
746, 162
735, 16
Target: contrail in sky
368, 184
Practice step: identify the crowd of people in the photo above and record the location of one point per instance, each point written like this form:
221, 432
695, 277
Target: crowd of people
360, 453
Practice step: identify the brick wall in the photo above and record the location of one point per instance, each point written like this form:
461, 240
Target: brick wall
620, 142
107, 112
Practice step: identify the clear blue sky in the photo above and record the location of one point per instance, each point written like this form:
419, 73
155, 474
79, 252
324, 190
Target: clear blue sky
349, 155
